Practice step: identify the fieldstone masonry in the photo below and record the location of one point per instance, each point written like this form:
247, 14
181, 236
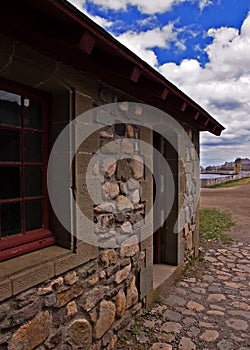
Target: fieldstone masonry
85, 297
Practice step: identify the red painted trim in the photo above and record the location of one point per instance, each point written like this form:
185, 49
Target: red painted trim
10, 164
17, 240
27, 241
26, 248
11, 200
19, 164
18, 128
18, 200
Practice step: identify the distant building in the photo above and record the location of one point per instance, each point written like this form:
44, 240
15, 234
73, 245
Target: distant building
227, 166
241, 164
212, 168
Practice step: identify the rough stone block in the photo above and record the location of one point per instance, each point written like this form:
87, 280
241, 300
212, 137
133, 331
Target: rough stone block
132, 294
129, 247
106, 318
122, 274
64, 296
24, 337
108, 257
120, 303
79, 334
93, 297
137, 167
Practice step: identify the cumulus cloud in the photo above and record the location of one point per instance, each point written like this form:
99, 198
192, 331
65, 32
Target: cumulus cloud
222, 87
81, 5
103, 22
144, 6
142, 43
205, 3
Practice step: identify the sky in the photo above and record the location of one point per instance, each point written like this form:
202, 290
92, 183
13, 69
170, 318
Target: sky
203, 47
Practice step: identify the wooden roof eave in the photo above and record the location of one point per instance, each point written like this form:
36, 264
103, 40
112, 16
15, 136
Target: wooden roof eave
92, 50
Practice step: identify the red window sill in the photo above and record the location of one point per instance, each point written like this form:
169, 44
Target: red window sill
11, 247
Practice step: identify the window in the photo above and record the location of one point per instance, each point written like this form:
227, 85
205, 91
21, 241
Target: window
24, 220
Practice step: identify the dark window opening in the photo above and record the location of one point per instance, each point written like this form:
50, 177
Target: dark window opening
23, 161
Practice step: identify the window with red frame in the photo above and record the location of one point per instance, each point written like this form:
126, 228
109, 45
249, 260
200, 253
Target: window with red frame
24, 221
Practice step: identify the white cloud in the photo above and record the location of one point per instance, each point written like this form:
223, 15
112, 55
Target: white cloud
103, 22
144, 6
222, 87
148, 6
205, 3
142, 43
81, 5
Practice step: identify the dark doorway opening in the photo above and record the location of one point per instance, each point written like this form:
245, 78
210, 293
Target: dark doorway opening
165, 240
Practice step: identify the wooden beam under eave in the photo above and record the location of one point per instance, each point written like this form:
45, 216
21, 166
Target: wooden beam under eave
164, 94
184, 106
135, 75
197, 115
206, 122
87, 43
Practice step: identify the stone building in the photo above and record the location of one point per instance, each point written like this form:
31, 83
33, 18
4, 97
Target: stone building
57, 291
241, 164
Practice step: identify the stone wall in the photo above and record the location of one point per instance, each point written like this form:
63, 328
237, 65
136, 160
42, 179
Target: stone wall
189, 188
90, 294
84, 308
84, 304
223, 179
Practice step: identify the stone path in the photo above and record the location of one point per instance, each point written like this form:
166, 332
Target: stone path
207, 309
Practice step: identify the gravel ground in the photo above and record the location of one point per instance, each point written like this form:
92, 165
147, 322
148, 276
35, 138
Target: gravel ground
209, 307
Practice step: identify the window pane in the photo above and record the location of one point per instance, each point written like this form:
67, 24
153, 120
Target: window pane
33, 181
33, 214
10, 108
9, 182
10, 219
9, 146
32, 114
32, 147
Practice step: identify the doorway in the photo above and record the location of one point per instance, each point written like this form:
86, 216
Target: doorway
165, 240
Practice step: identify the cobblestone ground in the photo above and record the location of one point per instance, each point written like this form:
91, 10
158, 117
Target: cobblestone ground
207, 309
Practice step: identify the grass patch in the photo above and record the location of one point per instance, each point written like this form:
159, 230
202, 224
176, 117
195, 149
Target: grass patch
232, 183
159, 300
134, 330
214, 224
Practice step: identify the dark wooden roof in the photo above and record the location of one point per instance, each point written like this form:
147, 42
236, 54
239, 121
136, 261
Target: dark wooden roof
58, 29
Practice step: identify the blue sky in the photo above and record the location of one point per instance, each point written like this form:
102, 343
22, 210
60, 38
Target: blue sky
202, 46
